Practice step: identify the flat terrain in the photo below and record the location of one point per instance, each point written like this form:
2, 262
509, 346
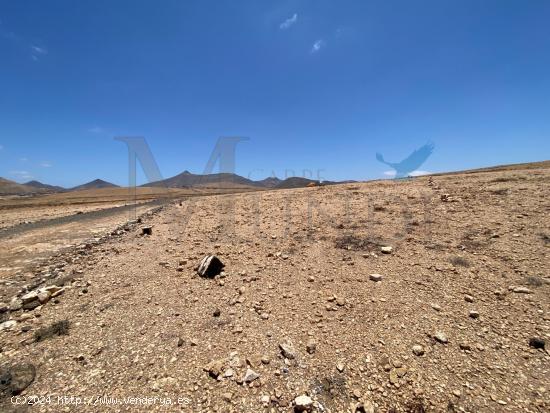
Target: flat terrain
459, 321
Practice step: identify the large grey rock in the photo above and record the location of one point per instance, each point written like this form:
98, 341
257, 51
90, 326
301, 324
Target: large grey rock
15, 379
210, 266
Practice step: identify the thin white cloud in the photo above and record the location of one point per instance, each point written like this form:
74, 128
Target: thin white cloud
1, 147
317, 46
289, 22
23, 159
36, 52
39, 50
21, 174
21, 42
96, 129
413, 173
419, 173
46, 164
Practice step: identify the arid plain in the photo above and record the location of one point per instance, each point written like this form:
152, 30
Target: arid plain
426, 294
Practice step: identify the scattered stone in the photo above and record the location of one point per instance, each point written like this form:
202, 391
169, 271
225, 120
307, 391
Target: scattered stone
216, 312
15, 304
401, 371
3, 308
474, 314
311, 278
29, 297
465, 346
457, 393
386, 250
31, 305
469, 298
303, 403
537, 342
250, 376
393, 377
44, 296
366, 407
180, 341
26, 316
418, 350
311, 346
375, 277
521, 290
215, 368
436, 307
227, 396
340, 367
441, 337
54, 290
8, 325
253, 361
210, 266
147, 231
288, 351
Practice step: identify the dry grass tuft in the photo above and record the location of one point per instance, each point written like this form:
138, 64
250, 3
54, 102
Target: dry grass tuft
460, 262
59, 328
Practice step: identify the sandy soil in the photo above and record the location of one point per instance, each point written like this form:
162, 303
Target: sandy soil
451, 325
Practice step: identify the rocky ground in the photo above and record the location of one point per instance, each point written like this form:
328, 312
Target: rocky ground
429, 294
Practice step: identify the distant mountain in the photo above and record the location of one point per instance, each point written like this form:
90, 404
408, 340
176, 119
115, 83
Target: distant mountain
187, 180
95, 184
228, 180
8, 187
45, 187
270, 182
295, 182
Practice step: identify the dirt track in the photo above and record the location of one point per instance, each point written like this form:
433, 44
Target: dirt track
448, 328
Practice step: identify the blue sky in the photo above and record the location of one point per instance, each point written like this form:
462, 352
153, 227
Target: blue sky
315, 85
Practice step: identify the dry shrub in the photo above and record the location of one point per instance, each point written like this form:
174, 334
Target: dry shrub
460, 262
534, 281
356, 243
59, 328
499, 191
416, 405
